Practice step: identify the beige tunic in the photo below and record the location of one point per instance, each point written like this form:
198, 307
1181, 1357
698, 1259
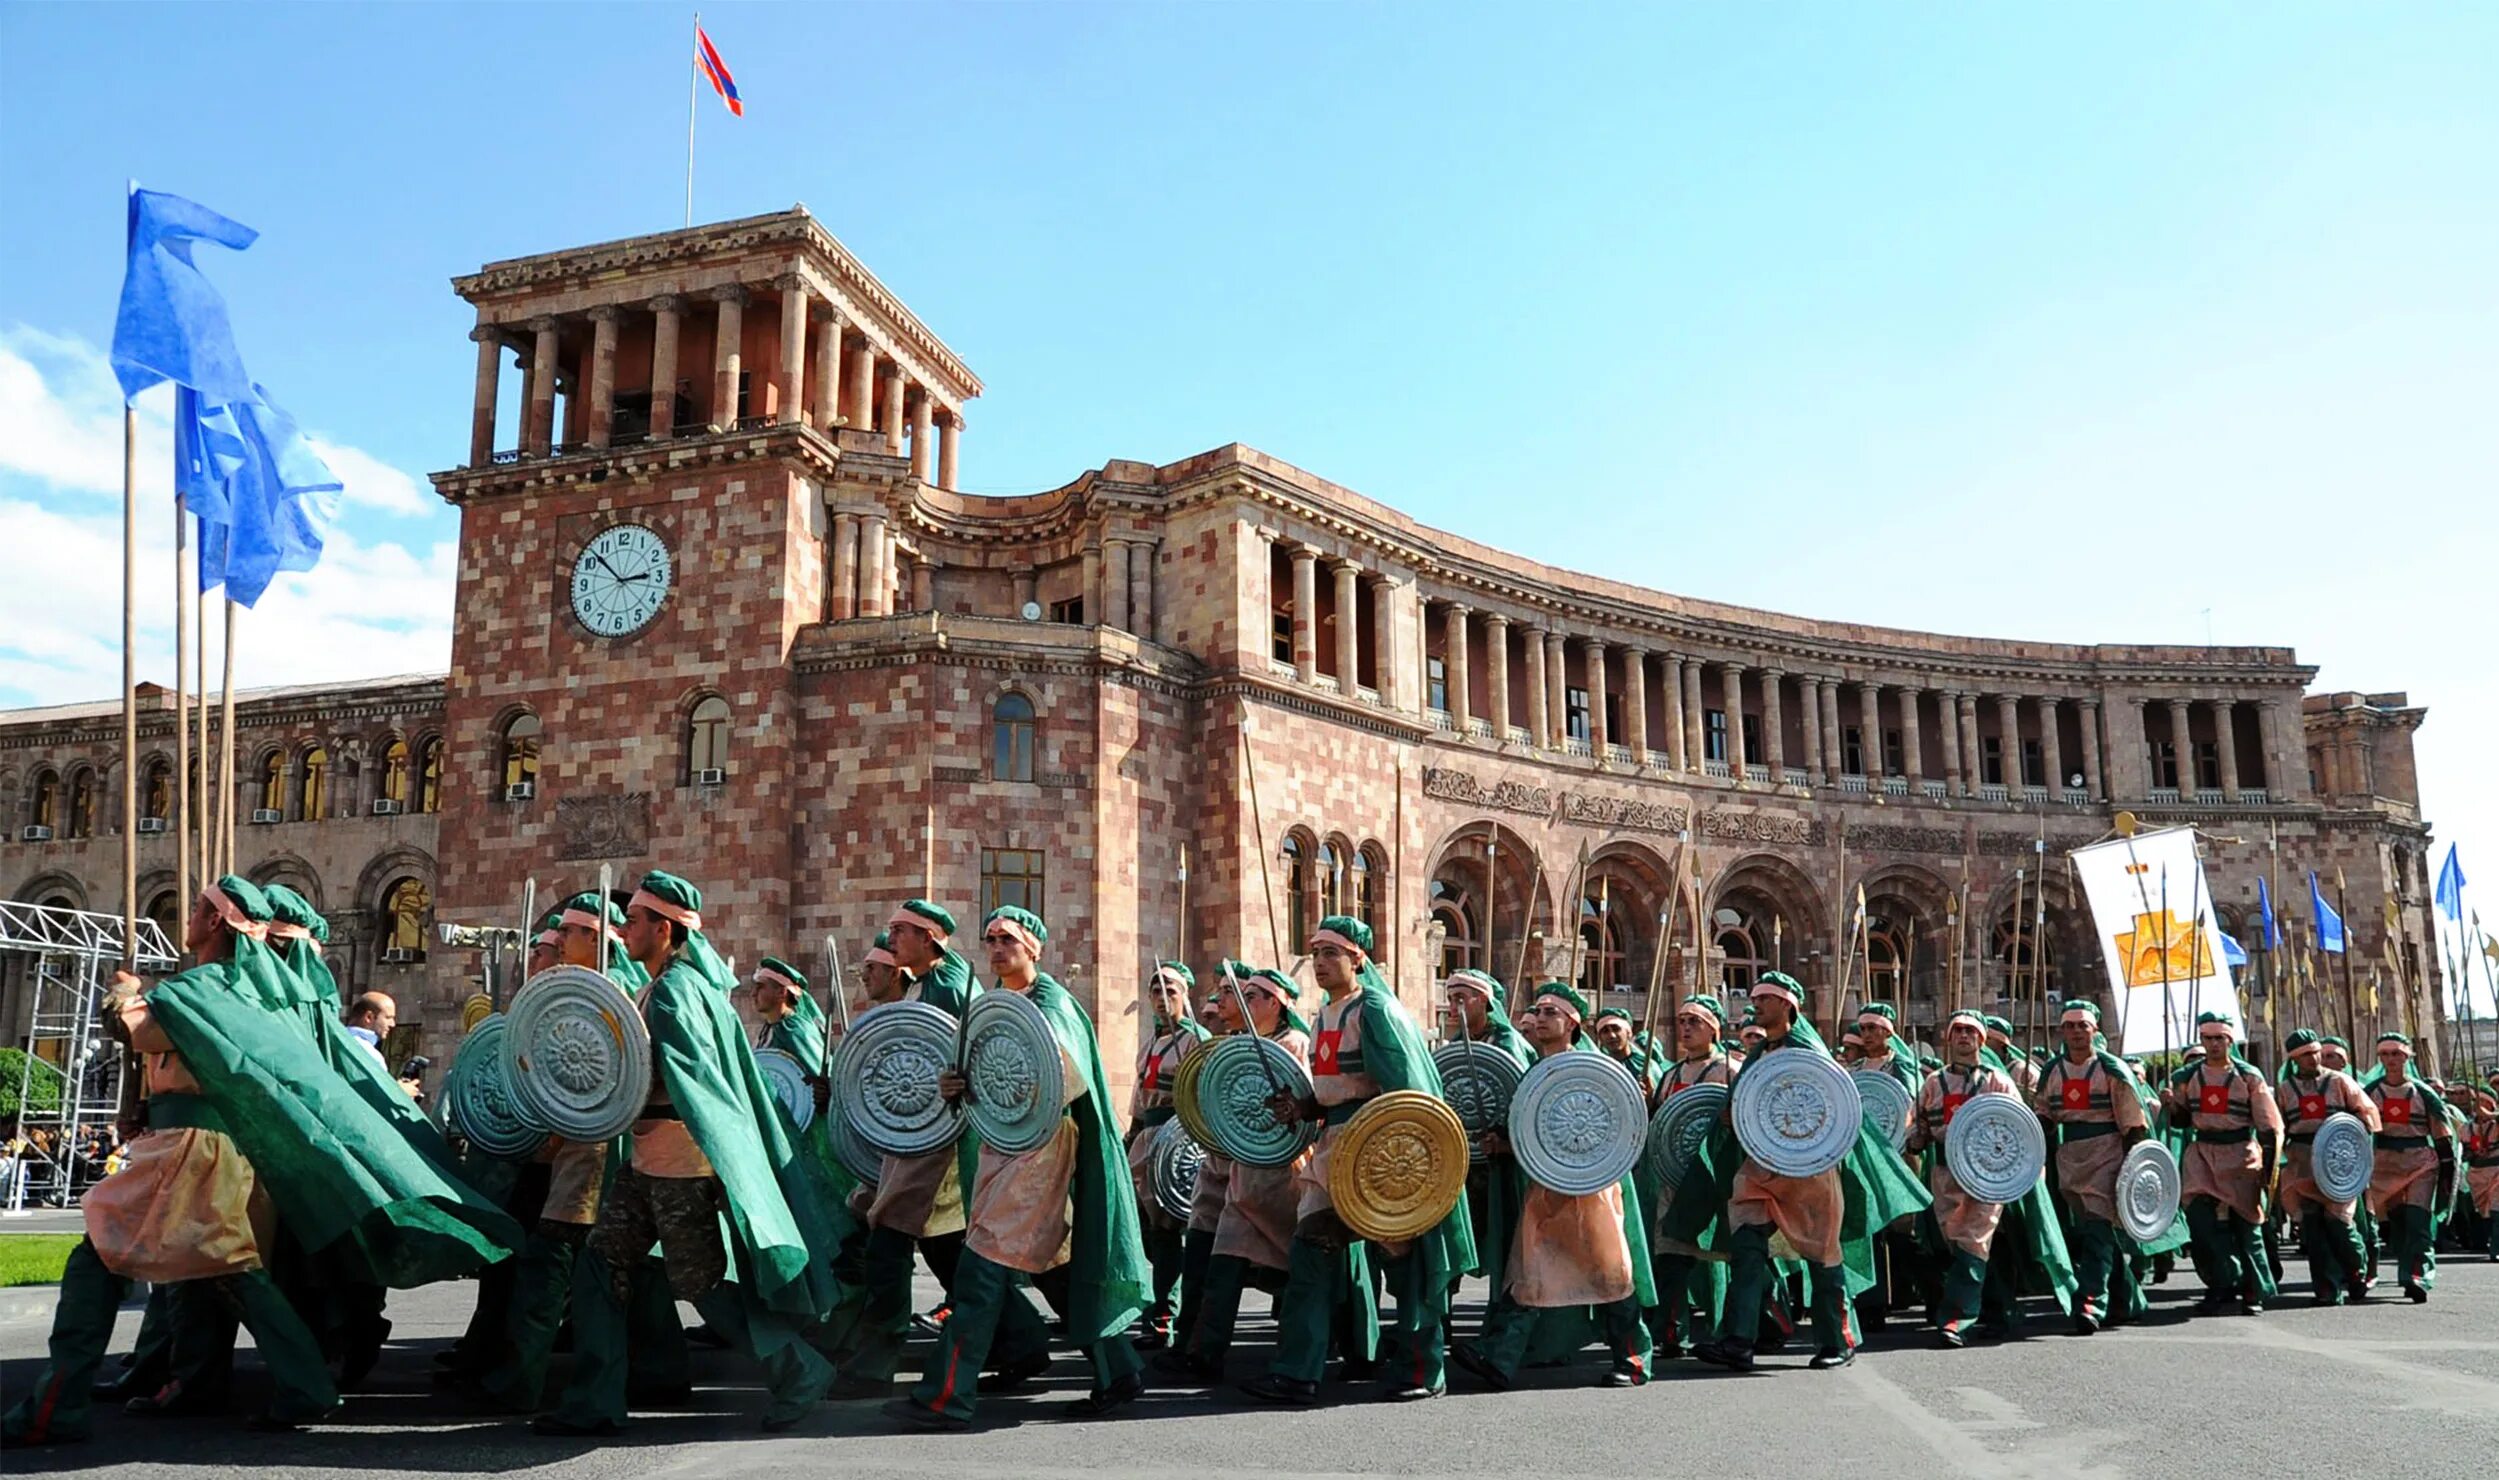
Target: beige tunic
1967, 1223
2306, 1101
1716, 1068
1021, 1211
1261, 1203
1156, 1064
2229, 1173
2087, 1094
2404, 1177
1336, 1078
186, 1204
2481, 1173
1214, 1183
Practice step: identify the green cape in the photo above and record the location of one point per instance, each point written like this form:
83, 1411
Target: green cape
1506, 1186
800, 1034
1109, 1281
361, 1067
340, 1173
1395, 1057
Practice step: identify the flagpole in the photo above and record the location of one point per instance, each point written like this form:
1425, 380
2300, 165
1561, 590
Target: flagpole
693, 80
225, 739
129, 687
182, 715
2351, 998
204, 826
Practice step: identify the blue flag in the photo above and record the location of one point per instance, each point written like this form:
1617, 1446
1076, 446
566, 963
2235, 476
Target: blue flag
2264, 907
2450, 890
172, 324
2233, 953
2329, 924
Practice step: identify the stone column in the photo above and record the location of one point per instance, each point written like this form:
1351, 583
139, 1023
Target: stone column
1497, 675
1115, 611
845, 567
2051, 749
1453, 646
728, 355
665, 314
825, 376
1912, 746
889, 378
1636, 704
1592, 653
949, 447
1141, 588
1677, 758
602, 375
1773, 722
2286, 768
489, 386
1093, 586
2094, 783
1348, 626
1539, 712
1834, 753
1870, 730
541, 423
2009, 730
923, 585
2225, 741
1557, 683
876, 567
1305, 610
793, 408
1948, 719
1695, 718
2182, 744
1809, 697
923, 436
1731, 675
861, 383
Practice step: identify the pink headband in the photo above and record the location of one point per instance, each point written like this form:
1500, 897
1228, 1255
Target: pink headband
280, 930
918, 922
550, 937
1779, 990
232, 913
767, 974
677, 914
1015, 929
1319, 938
879, 956
1471, 979
2078, 1015
1973, 1019
584, 919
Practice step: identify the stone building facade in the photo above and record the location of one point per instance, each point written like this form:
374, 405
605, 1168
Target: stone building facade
1187, 709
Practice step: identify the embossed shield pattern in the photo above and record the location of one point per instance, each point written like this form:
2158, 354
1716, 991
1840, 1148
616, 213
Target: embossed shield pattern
2343, 1157
885, 1075
1019, 1081
474, 1011
2147, 1191
1477, 1081
1995, 1148
1578, 1122
577, 1056
1231, 1091
1796, 1112
788, 1078
857, 1157
1184, 1093
1171, 1169
477, 1099
1676, 1132
1888, 1104
1398, 1166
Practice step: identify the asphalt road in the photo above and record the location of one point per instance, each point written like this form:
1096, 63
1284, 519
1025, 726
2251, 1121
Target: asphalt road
2389, 1387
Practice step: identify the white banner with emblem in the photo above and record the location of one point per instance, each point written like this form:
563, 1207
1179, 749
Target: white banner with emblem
2159, 936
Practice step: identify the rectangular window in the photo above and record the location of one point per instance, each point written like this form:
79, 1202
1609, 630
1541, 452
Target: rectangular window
1752, 739
1436, 683
2208, 765
2164, 764
1895, 755
1852, 751
1991, 760
1613, 719
2034, 764
1011, 876
1713, 734
1283, 637
1575, 706
1071, 611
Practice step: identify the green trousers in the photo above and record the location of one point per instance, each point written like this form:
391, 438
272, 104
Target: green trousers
541, 1292
1748, 1284
796, 1376
56, 1409
984, 1292
883, 1321
1509, 1328
2408, 1237
1965, 1286
1197, 1252
2228, 1252
1164, 1255
2335, 1257
1329, 1293
1690, 1294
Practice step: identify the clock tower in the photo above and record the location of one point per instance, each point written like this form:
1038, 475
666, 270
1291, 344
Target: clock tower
646, 529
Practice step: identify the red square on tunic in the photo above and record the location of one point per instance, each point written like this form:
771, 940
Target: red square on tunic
2077, 1095
2312, 1107
1951, 1104
2398, 1112
1153, 1073
1323, 1051
2215, 1100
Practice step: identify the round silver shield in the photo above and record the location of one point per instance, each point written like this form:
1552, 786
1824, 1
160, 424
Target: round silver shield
885, 1076
578, 1056
1018, 1078
2147, 1191
1888, 1104
1995, 1148
1578, 1122
1477, 1080
2344, 1157
1232, 1094
787, 1078
1676, 1132
1171, 1167
856, 1156
477, 1099
1796, 1112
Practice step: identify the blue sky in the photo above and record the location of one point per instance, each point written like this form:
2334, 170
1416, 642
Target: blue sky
2076, 322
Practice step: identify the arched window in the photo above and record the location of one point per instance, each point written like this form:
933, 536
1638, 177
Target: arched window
166, 911
1453, 910
707, 740
407, 908
521, 735
1299, 890
429, 797
316, 784
1600, 948
82, 803
1012, 739
1740, 951
273, 783
2017, 949
43, 800
156, 796
1886, 961
395, 771
1366, 890
1331, 880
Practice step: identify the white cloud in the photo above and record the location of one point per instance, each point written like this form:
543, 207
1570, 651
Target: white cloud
374, 483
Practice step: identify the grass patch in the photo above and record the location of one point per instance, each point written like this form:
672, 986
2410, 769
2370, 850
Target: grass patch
34, 1258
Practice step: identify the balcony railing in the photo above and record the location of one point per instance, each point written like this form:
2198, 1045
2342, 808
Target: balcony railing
2255, 796
2164, 794
1795, 776
1754, 771
1440, 719
2034, 793
1574, 745
1718, 769
1367, 695
1852, 784
1516, 734
1931, 788
1895, 786
1618, 755
2074, 796
1992, 791
1481, 729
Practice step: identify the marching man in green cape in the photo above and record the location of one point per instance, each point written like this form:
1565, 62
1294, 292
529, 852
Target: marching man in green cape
2088, 1096
792, 1022
1562, 1256
711, 1177
1968, 1223
1173, 1034
1684, 1284
1059, 1215
2414, 1180
1363, 1045
2309, 1093
2224, 1100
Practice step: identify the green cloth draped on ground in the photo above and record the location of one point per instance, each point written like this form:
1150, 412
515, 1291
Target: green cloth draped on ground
335, 1167
1108, 1281
1877, 1186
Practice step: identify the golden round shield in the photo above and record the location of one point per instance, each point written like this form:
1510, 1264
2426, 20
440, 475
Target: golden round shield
474, 1011
1399, 1166
1184, 1091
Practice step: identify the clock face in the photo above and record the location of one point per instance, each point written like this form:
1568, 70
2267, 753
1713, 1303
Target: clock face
620, 580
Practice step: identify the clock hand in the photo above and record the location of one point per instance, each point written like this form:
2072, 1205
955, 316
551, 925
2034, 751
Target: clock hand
611, 570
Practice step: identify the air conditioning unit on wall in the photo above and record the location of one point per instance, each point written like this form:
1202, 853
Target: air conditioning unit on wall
151, 824
266, 815
385, 807
710, 776
520, 791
